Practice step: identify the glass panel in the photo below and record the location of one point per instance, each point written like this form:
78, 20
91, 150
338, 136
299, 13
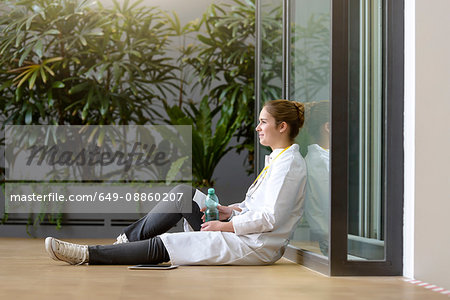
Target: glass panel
365, 215
310, 83
271, 66
271, 49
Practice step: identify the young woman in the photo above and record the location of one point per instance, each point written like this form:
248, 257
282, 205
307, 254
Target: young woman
253, 232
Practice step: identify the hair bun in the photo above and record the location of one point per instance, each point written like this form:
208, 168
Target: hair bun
300, 111
300, 107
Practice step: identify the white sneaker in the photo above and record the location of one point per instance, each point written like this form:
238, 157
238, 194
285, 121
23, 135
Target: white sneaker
74, 254
121, 239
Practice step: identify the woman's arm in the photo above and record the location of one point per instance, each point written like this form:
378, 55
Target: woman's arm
218, 226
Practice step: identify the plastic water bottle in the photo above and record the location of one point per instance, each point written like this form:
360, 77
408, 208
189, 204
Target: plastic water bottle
211, 213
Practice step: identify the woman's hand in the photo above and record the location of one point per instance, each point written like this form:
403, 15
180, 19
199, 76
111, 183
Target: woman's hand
217, 226
224, 212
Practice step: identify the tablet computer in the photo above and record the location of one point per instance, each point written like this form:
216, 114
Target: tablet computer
153, 267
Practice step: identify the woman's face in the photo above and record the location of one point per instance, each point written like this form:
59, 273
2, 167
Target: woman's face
268, 133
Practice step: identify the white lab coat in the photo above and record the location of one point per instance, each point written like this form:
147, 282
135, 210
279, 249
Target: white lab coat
317, 202
270, 213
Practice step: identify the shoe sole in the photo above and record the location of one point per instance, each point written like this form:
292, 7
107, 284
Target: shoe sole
49, 248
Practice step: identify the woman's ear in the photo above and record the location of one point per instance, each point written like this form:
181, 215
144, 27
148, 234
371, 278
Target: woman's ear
283, 127
326, 127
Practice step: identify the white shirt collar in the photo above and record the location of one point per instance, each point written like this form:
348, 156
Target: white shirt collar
275, 152
317, 148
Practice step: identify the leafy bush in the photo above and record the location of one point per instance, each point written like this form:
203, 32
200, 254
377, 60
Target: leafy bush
68, 62
225, 64
77, 62
208, 145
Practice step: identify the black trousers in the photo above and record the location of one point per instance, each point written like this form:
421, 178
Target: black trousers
145, 247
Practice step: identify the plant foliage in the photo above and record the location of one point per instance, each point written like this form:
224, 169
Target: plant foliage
71, 62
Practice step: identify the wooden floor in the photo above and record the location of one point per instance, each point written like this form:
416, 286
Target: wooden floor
26, 272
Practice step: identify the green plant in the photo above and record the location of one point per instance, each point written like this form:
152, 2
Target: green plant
311, 56
271, 51
224, 63
186, 48
209, 144
77, 62
69, 62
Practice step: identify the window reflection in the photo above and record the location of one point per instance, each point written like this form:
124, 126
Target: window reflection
317, 197
310, 83
271, 49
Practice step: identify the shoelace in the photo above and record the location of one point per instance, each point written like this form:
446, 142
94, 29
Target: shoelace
72, 251
121, 239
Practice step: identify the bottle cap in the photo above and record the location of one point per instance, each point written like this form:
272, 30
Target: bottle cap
211, 191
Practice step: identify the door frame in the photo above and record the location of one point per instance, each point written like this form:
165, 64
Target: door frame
393, 171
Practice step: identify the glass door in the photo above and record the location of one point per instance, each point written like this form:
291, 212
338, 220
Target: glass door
367, 140
294, 62
309, 82
366, 204
270, 60
344, 60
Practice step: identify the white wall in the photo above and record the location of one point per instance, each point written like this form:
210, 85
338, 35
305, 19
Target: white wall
409, 136
432, 143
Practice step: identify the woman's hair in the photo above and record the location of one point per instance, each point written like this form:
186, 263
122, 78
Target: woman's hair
291, 112
317, 114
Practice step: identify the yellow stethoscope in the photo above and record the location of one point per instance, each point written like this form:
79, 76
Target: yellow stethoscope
268, 166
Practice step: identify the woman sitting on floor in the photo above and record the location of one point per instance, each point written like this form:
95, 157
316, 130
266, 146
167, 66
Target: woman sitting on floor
253, 232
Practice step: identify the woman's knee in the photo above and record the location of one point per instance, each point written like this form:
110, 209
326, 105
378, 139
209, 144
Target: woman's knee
183, 203
185, 189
